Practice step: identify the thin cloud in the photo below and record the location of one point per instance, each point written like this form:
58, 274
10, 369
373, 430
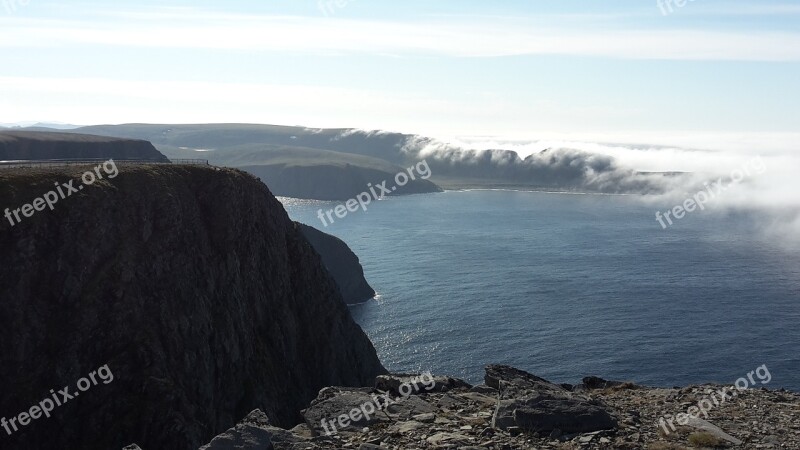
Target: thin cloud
473, 38
744, 9
118, 101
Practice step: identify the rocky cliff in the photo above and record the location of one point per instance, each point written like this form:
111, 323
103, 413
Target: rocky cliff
194, 288
342, 263
32, 145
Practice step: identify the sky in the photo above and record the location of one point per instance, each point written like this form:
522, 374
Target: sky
709, 74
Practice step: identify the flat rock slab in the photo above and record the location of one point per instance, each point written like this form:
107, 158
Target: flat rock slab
449, 439
569, 416
406, 427
534, 404
349, 411
479, 398
709, 427
515, 383
406, 408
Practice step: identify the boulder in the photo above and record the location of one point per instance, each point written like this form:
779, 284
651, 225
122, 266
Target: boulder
534, 404
341, 409
418, 384
251, 433
591, 383
254, 432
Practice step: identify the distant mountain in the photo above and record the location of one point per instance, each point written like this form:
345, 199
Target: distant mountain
293, 161
291, 172
36, 145
302, 172
31, 126
385, 146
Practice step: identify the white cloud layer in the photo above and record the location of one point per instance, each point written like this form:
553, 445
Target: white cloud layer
767, 164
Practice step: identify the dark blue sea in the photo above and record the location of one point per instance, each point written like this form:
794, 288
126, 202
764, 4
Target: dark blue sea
566, 286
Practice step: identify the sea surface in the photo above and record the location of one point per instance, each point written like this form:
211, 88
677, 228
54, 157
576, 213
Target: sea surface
566, 286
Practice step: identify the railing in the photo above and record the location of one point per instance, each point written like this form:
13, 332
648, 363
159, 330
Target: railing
192, 162
83, 162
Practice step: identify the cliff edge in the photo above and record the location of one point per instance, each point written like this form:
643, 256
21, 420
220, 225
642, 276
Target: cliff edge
342, 263
38, 145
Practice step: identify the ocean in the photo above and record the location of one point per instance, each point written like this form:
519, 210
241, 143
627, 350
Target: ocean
566, 286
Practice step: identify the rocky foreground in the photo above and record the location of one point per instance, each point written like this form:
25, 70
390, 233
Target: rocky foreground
517, 410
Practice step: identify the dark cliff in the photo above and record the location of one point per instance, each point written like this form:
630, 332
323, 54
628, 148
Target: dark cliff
190, 283
33, 145
342, 263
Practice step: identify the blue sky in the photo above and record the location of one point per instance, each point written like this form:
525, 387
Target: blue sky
617, 70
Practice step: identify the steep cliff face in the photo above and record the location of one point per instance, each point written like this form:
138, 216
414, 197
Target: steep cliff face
342, 263
190, 283
33, 145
